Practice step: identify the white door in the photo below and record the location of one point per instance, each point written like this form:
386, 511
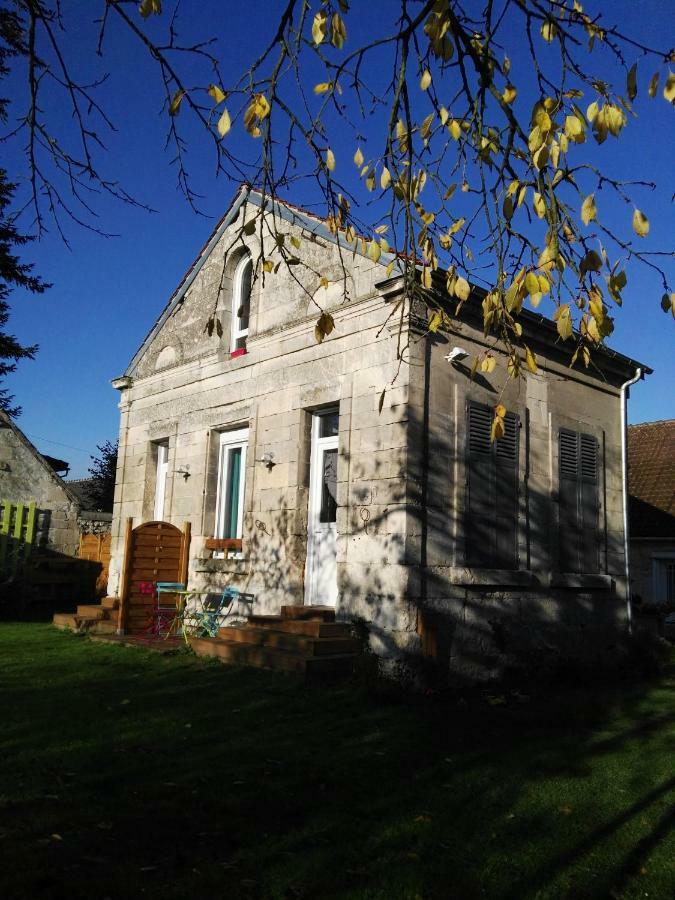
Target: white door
321, 572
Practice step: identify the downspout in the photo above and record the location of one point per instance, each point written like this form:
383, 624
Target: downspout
625, 388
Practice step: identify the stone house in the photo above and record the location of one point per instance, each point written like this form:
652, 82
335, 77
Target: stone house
396, 509
651, 483
27, 475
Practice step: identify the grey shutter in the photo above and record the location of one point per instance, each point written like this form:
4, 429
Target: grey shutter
578, 502
568, 501
479, 528
506, 464
588, 503
491, 521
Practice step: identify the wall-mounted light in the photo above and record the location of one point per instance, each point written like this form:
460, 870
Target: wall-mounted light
457, 354
268, 460
184, 471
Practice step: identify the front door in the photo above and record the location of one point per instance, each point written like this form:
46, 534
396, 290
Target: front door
321, 572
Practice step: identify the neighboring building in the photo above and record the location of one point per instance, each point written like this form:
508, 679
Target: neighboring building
406, 518
27, 475
651, 482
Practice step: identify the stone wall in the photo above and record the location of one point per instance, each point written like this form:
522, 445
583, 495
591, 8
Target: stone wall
24, 478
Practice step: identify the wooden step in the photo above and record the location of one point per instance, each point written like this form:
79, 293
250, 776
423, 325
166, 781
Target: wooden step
310, 627
102, 626
110, 603
92, 611
325, 613
295, 643
237, 654
65, 620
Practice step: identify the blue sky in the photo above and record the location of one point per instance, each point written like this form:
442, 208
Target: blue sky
107, 293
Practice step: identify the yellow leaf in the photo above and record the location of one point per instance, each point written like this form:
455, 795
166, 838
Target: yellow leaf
592, 112
509, 94
462, 289
148, 7
450, 191
174, 108
435, 320
425, 80
500, 410
370, 180
669, 88
549, 30
358, 157
224, 123
590, 263
295, 241
497, 430
589, 212
564, 322
531, 361
454, 228
631, 82
323, 327
385, 178
330, 160
319, 27
268, 265
544, 284
217, 93
323, 87
653, 85
374, 251
532, 283
455, 129
426, 277
539, 205
338, 34
640, 224
444, 115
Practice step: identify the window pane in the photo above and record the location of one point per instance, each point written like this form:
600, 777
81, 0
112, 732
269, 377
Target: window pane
232, 493
328, 424
244, 298
328, 487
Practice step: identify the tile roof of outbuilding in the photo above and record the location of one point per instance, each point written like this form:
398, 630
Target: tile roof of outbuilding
651, 478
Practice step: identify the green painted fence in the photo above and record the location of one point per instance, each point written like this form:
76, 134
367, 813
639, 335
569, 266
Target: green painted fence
17, 533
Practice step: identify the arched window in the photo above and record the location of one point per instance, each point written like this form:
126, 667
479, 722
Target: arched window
241, 302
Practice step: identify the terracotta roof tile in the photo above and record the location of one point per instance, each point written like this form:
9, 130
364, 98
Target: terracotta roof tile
651, 478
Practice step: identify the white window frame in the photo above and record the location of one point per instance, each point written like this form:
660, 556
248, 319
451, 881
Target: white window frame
229, 441
160, 481
237, 331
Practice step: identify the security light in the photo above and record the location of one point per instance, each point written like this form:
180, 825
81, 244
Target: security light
457, 354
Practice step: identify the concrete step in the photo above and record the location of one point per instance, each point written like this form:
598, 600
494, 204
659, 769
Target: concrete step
307, 645
110, 603
310, 627
237, 654
93, 611
325, 613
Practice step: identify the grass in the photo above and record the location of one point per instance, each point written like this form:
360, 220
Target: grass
127, 774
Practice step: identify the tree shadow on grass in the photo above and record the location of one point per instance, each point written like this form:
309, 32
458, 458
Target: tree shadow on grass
166, 776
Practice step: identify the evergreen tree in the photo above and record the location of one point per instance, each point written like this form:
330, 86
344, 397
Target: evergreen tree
102, 471
13, 273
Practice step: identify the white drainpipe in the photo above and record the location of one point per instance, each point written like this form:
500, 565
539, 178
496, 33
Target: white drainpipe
624, 467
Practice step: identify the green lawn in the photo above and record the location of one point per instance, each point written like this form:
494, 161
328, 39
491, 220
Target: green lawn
127, 774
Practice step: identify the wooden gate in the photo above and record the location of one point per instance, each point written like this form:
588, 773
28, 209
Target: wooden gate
96, 548
154, 551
